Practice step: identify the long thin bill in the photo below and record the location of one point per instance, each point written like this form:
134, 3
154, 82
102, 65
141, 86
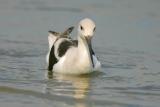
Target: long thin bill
88, 39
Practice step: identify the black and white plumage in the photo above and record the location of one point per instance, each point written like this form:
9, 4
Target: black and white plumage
62, 47
70, 56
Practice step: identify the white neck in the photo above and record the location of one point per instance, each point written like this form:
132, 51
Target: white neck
83, 52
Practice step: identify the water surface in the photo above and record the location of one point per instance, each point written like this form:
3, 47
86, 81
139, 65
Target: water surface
127, 43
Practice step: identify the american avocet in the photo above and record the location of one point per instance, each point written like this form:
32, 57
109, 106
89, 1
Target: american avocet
70, 56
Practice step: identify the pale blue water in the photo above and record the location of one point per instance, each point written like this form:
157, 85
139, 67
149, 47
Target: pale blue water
127, 42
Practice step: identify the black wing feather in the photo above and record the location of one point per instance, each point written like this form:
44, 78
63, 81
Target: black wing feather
52, 59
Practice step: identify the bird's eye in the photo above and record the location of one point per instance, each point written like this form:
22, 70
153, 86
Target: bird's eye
94, 29
81, 28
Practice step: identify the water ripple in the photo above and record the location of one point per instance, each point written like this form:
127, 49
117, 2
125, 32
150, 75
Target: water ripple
51, 9
20, 53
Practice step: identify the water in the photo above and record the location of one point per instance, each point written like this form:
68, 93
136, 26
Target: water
127, 42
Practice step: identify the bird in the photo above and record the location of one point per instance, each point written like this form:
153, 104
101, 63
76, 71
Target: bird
69, 56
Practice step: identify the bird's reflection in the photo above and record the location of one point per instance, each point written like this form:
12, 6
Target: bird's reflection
68, 85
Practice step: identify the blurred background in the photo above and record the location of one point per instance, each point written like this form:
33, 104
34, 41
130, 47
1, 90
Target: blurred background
127, 42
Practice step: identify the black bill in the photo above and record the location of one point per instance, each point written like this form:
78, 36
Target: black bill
88, 39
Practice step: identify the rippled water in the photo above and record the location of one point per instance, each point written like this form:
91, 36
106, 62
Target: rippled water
127, 42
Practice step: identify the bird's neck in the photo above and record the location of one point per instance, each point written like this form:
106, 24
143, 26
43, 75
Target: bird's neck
83, 52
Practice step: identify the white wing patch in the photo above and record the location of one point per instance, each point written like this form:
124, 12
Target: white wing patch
51, 40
